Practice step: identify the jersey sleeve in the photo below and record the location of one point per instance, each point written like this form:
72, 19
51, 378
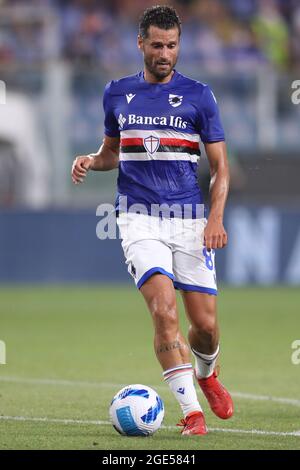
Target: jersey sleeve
209, 122
111, 126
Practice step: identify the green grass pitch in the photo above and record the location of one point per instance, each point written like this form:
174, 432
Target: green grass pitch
71, 348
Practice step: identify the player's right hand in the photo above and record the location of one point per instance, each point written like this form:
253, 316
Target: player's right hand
80, 167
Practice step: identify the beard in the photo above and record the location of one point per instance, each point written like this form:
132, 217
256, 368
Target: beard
159, 69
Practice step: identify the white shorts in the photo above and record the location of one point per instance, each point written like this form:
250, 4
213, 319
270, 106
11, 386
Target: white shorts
170, 246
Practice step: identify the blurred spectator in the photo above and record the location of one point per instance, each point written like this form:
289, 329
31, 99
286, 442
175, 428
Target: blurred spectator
84, 26
244, 10
295, 42
272, 33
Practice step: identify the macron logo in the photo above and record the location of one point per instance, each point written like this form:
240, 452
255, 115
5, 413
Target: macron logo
181, 390
129, 97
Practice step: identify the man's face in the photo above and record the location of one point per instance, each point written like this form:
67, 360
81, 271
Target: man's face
160, 50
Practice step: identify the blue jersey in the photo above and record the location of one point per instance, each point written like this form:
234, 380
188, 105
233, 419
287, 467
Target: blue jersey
160, 127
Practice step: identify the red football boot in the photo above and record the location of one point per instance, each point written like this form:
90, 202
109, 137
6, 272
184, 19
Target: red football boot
217, 396
193, 424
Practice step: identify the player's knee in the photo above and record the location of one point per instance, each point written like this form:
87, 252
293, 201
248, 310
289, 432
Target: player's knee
206, 324
165, 318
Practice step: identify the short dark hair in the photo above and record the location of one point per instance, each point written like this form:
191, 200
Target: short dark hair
162, 16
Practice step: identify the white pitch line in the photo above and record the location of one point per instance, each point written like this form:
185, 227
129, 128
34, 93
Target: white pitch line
52, 420
249, 396
107, 423
76, 383
257, 431
72, 383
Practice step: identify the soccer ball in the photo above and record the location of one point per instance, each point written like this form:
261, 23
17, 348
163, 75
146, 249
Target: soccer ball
136, 410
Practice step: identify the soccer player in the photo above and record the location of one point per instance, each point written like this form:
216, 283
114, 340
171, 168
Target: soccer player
154, 121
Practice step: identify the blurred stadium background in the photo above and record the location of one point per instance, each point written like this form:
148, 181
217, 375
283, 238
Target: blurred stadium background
55, 58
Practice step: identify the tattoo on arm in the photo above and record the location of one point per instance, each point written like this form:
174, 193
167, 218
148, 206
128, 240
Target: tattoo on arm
168, 347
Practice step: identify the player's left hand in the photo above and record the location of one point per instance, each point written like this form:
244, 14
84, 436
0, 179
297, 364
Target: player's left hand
215, 235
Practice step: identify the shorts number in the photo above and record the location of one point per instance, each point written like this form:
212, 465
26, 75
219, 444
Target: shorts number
208, 258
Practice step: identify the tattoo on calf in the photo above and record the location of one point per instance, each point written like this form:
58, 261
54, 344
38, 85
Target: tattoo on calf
168, 347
